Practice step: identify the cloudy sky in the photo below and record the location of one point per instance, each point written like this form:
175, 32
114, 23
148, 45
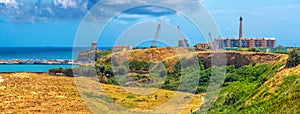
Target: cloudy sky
55, 22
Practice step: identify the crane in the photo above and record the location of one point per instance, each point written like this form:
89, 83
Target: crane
156, 36
180, 33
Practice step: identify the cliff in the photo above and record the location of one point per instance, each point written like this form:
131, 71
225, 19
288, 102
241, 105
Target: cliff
172, 55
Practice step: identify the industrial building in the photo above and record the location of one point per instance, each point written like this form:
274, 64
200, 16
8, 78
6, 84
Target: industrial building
203, 46
246, 42
122, 48
243, 42
183, 43
94, 46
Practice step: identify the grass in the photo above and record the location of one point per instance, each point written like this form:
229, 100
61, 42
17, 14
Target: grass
41, 93
126, 101
279, 93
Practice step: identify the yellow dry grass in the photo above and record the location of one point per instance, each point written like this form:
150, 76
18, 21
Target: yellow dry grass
41, 93
117, 99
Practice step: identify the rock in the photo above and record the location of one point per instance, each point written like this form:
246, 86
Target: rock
1, 79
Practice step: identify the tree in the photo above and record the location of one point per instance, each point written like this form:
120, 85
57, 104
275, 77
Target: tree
68, 72
254, 49
294, 58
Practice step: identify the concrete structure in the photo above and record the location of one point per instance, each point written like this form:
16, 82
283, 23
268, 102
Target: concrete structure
242, 42
183, 43
203, 46
94, 46
121, 48
245, 42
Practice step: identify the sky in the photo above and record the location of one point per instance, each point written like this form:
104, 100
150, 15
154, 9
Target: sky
37, 23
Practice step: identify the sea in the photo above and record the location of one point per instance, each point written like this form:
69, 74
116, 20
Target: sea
38, 53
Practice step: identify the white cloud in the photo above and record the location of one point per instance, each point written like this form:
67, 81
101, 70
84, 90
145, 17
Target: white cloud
49, 10
164, 18
65, 3
9, 2
23, 10
157, 10
117, 2
132, 16
120, 2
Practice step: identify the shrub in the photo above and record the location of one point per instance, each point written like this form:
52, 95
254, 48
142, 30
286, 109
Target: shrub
130, 96
294, 58
254, 50
68, 72
187, 97
61, 71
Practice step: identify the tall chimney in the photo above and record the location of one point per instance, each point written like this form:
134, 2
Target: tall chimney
241, 28
241, 32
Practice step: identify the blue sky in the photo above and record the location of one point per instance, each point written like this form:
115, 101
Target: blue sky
55, 22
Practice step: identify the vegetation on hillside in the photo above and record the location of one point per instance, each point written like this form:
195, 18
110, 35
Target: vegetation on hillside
260, 89
244, 88
92, 55
294, 58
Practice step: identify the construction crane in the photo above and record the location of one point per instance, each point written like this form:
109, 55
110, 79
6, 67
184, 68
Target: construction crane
156, 36
180, 33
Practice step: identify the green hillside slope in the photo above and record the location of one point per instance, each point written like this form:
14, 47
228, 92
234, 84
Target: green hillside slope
277, 90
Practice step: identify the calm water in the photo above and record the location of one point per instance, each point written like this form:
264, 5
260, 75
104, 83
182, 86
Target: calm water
30, 68
47, 53
38, 52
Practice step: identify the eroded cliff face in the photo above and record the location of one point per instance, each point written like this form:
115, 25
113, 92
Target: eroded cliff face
240, 58
171, 56
88, 56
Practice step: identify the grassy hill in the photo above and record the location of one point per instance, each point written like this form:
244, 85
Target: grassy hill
276, 91
116, 99
42, 93
254, 83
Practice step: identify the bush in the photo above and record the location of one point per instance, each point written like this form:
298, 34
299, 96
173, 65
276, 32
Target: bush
254, 50
187, 97
139, 65
294, 59
130, 96
68, 72
61, 71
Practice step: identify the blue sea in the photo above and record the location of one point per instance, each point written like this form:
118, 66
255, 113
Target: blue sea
45, 53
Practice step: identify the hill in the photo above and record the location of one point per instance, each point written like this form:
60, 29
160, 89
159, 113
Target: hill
277, 90
172, 55
42, 93
255, 82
